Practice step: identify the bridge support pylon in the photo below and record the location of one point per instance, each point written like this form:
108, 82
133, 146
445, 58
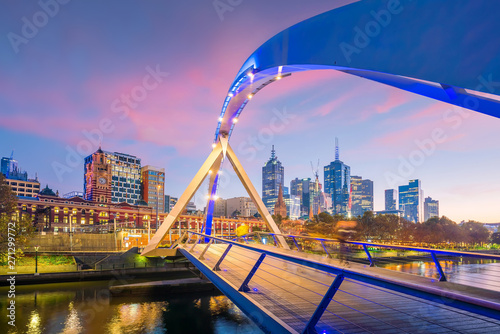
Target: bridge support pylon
211, 167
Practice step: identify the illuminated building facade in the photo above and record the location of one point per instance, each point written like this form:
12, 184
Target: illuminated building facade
18, 180
431, 208
410, 198
309, 193
273, 174
338, 184
153, 185
390, 199
112, 178
361, 195
29, 188
292, 206
242, 205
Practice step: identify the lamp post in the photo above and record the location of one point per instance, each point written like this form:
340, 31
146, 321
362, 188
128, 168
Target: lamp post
71, 232
36, 260
157, 203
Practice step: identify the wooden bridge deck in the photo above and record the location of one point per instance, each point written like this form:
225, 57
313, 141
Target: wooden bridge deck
292, 292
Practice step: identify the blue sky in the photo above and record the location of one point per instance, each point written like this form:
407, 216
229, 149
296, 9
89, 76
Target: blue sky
64, 87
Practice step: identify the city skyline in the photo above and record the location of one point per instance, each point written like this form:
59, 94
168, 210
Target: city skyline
50, 111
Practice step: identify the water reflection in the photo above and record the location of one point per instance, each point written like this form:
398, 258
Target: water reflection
88, 308
479, 273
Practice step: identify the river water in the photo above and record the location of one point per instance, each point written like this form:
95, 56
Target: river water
483, 274
86, 307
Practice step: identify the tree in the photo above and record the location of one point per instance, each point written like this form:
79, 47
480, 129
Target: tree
406, 230
15, 232
277, 219
325, 217
476, 232
495, 238
366, 226
8, 200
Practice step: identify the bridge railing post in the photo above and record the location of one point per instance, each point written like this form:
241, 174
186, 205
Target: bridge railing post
324, 247
296, 243
309, 329
195, 243
188, 239
217, 265
275, 241
372, 262
205, 250
442, 276
244, 286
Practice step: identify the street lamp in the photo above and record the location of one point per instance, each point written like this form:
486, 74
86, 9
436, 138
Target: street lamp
71, 231
157, 203
36, 260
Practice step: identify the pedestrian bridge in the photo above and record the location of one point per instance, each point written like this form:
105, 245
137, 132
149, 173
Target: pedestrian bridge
285, 290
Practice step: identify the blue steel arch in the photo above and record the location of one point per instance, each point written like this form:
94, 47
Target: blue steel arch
447, 50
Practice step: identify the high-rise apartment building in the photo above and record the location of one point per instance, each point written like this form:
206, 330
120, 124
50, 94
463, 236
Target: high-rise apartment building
361, 195
170, 202
410, 201
18, 179
390, 199
273, 176
242, 205
338, 184
153, 187
220, 207
309, 193
292, 203
431, 208
112, 177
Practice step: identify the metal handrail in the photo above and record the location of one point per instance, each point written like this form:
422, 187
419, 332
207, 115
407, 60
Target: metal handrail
362, 243
327, 268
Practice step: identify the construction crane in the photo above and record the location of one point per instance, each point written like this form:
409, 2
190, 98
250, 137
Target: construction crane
315, 171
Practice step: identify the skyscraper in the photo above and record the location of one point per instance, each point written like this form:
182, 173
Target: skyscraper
338, 184
152, 190
112, 177
390, 199
309, 193
273, 175
361, 195
410, 198
292, 203
431, 208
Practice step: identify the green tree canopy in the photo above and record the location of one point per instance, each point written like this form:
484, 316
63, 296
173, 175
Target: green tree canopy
15, 233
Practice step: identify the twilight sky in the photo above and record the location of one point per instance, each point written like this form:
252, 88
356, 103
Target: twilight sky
86, 74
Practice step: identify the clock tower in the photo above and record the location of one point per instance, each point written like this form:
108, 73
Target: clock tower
97, 180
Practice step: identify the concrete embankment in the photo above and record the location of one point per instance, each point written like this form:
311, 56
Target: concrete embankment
171, 271
184, 285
